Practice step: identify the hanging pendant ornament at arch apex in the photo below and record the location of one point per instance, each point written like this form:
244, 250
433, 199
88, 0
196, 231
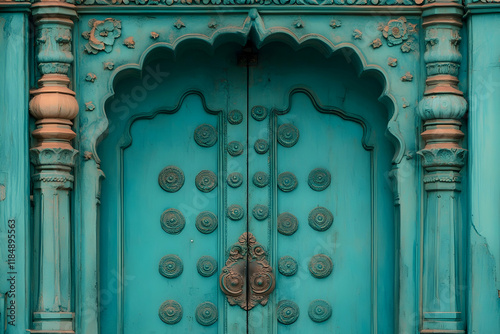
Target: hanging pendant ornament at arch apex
247, 265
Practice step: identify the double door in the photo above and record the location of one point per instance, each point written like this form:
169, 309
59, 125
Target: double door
252, 204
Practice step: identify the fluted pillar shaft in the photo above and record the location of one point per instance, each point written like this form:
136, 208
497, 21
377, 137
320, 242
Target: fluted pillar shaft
442, 108
54, 106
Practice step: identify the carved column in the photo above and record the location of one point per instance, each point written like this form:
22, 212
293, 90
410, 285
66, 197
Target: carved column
54, 106
442, 108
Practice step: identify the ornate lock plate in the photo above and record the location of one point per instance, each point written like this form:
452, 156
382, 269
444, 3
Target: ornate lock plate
247, 279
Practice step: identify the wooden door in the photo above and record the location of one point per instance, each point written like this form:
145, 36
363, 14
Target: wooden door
255, 204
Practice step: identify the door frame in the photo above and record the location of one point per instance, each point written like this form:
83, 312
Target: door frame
403, 87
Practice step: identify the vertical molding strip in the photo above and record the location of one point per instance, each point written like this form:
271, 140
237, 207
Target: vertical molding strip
54, 106
441, 109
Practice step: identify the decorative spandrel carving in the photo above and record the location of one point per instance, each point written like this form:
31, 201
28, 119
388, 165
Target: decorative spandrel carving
129, 42
171, 266
319, 310
236, 275
172, 221
206, 181
287, 312
171, 179
399, 32
170, 312
320, 266
206, 314
102, 35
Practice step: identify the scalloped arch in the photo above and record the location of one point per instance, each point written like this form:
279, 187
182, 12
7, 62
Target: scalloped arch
254, 28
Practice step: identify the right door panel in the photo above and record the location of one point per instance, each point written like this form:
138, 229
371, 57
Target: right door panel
329, 231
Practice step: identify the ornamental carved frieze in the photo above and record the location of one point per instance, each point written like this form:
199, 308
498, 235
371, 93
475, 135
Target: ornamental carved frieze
102, 35
247, 279
255, 2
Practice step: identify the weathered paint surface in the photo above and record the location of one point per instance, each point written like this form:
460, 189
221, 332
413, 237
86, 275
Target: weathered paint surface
14, 174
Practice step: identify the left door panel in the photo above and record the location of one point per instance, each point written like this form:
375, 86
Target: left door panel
164, 229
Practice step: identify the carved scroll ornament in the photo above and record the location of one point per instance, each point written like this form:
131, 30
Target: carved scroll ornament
247, 265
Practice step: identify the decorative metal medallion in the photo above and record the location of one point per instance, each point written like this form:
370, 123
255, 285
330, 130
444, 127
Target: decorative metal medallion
206, 314
247, 254
287, 181
259, 113
207, 266
171, 179
235, 179
320, 218
320, 266
172, 221
287, 266
235, 212
287, 312
260, 212
206, 222
205, 135
320, 310
206, 181
170, 266
235, 148
261, 146
261, 179
170, 312
288, 135
235, 117
319, 179
287, 223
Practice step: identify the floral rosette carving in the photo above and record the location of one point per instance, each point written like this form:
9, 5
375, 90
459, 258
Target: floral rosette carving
102, 35
397, 32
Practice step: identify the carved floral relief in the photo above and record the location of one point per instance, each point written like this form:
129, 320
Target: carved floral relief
102, 35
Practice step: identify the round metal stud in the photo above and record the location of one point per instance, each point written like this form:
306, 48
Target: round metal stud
235, 179
320, 310
170, 266
235, 212
320, 266
319, 179
287, 223
235, 117
171, 179
287, 312
260, 179
206, 266
259, 113
172, 221
287, 266
260, 212
288, 135
261, 146
205, 135
170, 312
206, 222
320, 219
287, 182
235, 148
206, 181
206, 314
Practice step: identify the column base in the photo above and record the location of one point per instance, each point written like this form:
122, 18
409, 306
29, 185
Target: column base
53, 322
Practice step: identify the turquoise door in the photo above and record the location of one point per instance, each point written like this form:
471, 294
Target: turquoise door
247, 199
